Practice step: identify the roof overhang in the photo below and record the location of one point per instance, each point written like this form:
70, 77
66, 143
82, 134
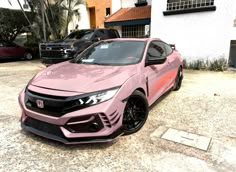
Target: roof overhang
130, 16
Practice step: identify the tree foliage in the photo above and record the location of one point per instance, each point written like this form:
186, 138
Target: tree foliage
72, 9
12, 23
58, 14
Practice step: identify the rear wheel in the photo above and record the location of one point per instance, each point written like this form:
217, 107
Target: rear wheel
28, 56
135, 113
178, 80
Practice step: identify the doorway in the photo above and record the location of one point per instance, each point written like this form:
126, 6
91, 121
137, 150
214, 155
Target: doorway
92, 17
232, 54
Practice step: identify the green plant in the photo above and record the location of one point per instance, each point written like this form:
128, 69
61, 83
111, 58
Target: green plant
12, 23
219, 64
71, 7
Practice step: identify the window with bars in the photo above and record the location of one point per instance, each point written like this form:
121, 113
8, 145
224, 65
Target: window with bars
188, 6
133, 31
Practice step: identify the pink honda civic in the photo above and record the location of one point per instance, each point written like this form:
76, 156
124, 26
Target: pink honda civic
103, 93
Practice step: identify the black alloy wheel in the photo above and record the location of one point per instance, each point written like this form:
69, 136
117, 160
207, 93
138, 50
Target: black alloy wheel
135, 113
178, 80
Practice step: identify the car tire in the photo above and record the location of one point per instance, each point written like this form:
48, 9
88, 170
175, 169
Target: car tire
178, 80
28, 56
135, 113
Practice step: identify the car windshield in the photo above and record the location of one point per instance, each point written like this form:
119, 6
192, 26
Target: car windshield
82, 35
120, 52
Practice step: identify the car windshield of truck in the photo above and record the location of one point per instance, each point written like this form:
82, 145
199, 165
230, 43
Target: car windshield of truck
82, 35
119, 52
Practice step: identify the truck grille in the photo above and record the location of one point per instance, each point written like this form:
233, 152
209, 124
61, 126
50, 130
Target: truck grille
52, 54
53, 51
52, 47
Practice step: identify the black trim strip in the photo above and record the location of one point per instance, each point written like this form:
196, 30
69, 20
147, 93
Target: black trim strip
128, 22
147, 86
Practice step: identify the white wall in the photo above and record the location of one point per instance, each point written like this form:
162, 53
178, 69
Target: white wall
117, 4
197, 35
14, 4
83, 21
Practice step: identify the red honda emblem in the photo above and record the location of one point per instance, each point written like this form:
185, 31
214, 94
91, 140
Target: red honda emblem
40, 103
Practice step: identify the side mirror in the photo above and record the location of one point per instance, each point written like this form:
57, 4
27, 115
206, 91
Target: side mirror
172, 46
155, 60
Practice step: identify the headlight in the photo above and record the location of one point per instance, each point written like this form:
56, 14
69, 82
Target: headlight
98, 97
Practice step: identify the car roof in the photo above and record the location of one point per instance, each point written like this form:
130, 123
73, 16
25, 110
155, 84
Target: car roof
94, 29
134, 39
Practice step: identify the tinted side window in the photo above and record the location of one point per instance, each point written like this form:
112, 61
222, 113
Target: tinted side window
168, 49
111, 34
156, 49
10, 44
100, 34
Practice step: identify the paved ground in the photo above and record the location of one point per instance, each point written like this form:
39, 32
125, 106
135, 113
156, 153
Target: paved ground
206, 105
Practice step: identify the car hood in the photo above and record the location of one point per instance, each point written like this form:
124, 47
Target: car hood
83, 78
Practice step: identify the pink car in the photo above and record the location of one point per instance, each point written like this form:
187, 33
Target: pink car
103, 93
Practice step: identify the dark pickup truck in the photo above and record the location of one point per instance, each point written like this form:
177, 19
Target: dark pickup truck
77, 41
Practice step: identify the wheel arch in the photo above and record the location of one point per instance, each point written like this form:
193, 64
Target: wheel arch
141, 90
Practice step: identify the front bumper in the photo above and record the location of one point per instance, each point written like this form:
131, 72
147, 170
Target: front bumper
63, 139
107, 116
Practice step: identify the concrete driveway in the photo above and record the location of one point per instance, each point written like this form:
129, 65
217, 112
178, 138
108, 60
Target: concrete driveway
205, 105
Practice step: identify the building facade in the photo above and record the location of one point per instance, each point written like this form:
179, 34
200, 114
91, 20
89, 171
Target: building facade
92, 14
201, 29
131, 18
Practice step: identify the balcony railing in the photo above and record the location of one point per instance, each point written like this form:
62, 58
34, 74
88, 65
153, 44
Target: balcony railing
174, 5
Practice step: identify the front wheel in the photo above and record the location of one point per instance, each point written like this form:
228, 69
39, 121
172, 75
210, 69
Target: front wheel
135, 113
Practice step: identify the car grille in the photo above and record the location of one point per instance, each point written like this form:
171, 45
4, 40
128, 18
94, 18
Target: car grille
53, 51
52, 105
52, 47
44, 127
57, 106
